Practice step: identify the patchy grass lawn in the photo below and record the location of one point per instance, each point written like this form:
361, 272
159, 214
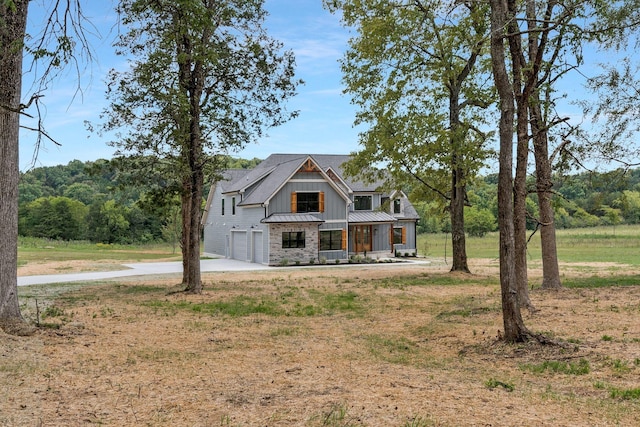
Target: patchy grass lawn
383, 345
45, 256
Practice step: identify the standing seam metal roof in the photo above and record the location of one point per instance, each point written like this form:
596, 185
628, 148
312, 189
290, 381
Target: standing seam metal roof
301, 217
370, 216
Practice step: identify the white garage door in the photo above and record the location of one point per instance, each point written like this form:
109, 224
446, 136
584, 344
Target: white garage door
239, 245
257, 247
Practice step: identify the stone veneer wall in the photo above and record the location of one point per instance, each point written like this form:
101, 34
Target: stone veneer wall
277, 253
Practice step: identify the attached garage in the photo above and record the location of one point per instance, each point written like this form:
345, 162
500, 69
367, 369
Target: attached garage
256, 247
239, 245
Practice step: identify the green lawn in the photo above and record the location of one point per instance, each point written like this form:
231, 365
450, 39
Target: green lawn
32, 249
619, 244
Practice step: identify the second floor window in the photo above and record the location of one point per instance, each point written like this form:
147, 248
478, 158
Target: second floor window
362, 203
397, 206
233, 206
307, 202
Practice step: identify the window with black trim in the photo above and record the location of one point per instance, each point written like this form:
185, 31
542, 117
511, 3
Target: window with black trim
222, 206
397, 235
308, 202
397, 206
293, 239
330, 240
362, 203
233, 206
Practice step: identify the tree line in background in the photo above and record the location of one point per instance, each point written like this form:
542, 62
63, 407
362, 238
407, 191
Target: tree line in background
587, 199
90, 201
85, 201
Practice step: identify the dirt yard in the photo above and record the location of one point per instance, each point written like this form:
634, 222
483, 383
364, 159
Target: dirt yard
384, 345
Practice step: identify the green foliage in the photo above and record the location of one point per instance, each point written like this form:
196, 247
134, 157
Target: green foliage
107, 222
153, 219
81, 191
620, 367
172, 229
291, 302
629, 205
584, 200
479, 222
341, 302
35, 249
53, 218
597, 244
494, 383
433, 217
581, 367
337, 415
209, 83
53, 311
601, 282
416, 72
67, 202
625, 394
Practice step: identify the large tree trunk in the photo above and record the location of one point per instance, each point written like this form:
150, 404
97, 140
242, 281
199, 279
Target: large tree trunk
514, 329
192, 273
458, 186
550, 268
12, 33
191, 213
521, 93
458, 240
520, 211
191, 79
192, 210
185, 238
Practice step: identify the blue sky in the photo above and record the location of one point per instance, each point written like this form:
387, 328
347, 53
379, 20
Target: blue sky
325, 124
315, 35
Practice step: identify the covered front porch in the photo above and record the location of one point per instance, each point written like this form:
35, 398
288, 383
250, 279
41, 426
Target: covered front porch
370, 233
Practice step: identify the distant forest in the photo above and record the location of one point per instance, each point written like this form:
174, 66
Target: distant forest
88, 201
93, 201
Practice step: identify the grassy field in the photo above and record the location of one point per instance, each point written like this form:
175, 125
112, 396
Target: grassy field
44, 256
406, 345
384, 345
38, 250
619, 244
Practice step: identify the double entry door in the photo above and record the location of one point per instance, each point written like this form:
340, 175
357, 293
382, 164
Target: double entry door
362, 235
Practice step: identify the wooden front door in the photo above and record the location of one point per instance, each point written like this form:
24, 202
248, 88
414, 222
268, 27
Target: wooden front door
362, 238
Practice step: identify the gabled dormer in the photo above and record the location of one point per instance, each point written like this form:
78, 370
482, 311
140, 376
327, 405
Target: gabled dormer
301, 200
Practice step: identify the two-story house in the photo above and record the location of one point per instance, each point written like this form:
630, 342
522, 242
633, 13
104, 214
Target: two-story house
299, 208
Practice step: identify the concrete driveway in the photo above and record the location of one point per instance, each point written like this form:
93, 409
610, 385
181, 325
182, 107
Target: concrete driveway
207, 265
142, 269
